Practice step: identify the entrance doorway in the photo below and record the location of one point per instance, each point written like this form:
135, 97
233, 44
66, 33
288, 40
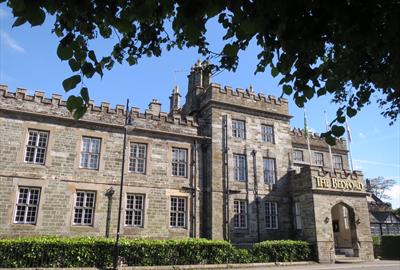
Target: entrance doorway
344, 230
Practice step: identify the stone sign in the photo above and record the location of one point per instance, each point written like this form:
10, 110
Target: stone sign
340, 184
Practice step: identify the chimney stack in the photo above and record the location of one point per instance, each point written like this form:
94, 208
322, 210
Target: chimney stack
154, 107
174, 101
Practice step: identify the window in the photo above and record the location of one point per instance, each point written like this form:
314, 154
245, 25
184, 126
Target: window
240, 214
134, 214
271, 215
90, 152
27, 205
84, 207
267, 133
297, 213
178, 212
318, 159
238, 129
137, 161
269, 171
337, 162
36, 146
345, 217
298, 155
179, 162
240, 169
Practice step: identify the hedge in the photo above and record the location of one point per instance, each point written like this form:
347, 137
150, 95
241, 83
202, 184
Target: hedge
390, 245
376, 240
97, 252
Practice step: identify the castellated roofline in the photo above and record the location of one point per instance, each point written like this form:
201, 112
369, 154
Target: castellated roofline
103, 113
339, 174
247, 94
298, 132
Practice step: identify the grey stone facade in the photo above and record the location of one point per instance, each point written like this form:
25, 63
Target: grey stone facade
226, 189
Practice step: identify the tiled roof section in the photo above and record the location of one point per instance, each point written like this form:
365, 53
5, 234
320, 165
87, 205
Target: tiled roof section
56, 107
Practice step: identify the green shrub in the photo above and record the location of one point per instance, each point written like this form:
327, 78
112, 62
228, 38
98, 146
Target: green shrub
390, 246
282, 251
98, 252
376, 240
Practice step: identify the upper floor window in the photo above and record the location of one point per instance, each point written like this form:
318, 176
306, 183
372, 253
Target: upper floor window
84, 207
134, 213
36, 146
271, 215
267, 133
90, 152
27, 205
178, 212
179, 162
318, 159
337, 162
298, 155
240, 168
137, 160
269, 171
240, 214
238, 129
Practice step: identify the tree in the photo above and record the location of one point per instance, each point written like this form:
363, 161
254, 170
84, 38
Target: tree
378, 186
397, 212
346, 48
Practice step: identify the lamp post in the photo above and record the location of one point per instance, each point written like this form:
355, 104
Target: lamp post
116, 247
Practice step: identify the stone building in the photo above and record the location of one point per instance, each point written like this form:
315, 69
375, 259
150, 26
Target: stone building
225, 165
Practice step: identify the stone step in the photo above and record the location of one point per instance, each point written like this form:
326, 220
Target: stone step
344, 259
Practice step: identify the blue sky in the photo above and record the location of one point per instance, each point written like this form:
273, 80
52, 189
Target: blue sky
28, 60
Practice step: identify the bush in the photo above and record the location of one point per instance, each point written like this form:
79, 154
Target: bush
98, 252
376, 240
282, 251
390, 245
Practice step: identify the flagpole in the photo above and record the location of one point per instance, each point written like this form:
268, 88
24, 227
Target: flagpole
329, 147
307, 135
349, 146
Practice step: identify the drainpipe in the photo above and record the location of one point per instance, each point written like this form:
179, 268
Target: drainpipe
226, 172
194, 189
109, 194
257, 199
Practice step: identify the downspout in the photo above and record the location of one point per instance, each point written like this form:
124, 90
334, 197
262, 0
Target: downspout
194, 189
226, 172
257, 199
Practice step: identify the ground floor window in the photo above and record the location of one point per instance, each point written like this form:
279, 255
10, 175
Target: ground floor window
84, 207
27, 205
178, 212
271, 215
297, 212
240, 214
134, 212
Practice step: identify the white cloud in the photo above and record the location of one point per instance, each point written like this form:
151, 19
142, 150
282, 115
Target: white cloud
371, 162
394, 194
3, 13
10, 42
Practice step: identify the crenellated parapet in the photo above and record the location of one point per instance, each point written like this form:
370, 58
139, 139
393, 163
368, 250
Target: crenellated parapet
246, 98
54, 106
316, 141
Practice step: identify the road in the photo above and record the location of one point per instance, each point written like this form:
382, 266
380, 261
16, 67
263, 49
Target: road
377, 265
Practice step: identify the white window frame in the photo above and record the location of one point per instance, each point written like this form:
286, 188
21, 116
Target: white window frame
240, 167
178, 164
138, 154
85, 208
134, 210
240, 214
319, 162
337, 165
36, 146
345, 217
267, 133
26, 207
239, 128
177, 214
271, 215
297, 214
91, 154
269, 174
294, 155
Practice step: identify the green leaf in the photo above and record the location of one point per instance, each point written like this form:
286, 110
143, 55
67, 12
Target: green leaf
287, 89
64, 52
321, 91
71, 82
92, 56
78, 113
330, 140
19, 21
85, 94
74, 102
351, 112
17, 5
74, 65
274, 72
36, 16
337, 130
